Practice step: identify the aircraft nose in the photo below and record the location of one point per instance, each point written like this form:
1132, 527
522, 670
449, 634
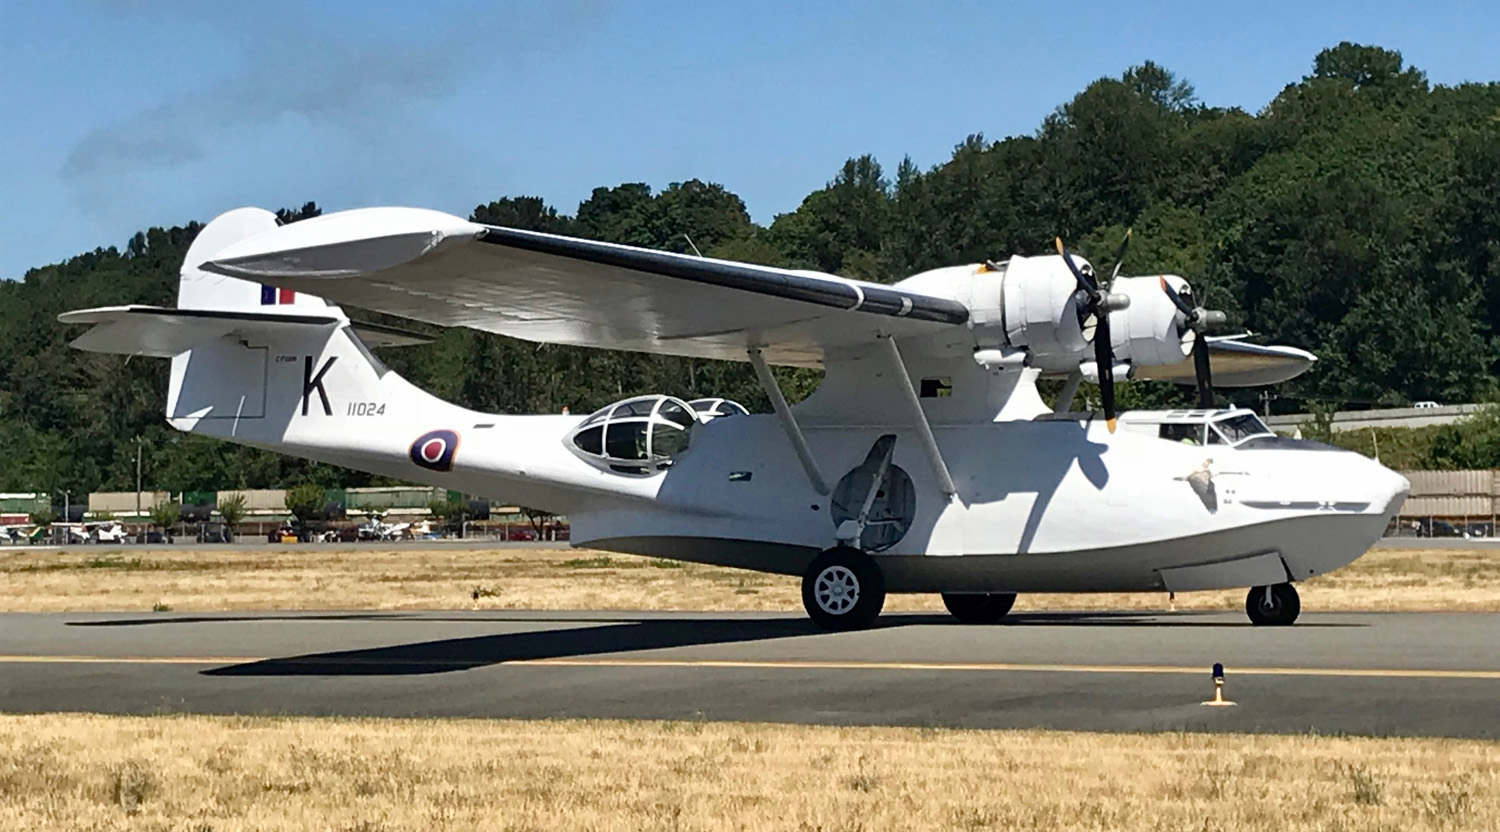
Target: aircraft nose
1394, 486
1381, 487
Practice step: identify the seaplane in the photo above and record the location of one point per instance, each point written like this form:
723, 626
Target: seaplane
926, 460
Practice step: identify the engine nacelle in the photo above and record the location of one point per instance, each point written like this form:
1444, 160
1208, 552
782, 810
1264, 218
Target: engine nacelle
1040, 298
1150, 331
1032, 304
1024, 303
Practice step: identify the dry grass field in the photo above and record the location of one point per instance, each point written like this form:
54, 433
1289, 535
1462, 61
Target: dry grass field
216, 774
312, 577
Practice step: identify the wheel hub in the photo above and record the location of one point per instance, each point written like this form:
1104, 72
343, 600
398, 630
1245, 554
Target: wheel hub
837, 590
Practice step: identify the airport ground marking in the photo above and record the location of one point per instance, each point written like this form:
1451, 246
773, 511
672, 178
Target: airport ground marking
790, 664
730, 664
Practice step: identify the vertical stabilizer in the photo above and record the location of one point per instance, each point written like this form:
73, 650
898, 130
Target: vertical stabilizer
199, 289
236, 379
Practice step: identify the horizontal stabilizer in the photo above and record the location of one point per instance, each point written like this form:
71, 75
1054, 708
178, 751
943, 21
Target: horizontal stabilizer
163, 333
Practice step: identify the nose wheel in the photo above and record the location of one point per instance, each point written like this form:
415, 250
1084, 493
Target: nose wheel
1273, 606
843, 589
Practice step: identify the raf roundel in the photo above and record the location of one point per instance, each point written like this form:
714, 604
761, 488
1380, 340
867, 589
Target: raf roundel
434, 450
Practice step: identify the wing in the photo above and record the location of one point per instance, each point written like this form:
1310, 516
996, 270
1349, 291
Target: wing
435, 267
1237, 364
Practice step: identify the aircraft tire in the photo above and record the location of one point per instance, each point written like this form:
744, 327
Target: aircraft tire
976, 608
1282, 609
843, 589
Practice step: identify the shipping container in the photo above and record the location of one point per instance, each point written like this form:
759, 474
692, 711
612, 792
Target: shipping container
1451, 483
369, 500
124, 502
25, 503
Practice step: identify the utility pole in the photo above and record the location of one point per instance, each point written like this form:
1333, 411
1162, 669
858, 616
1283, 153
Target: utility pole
138, 479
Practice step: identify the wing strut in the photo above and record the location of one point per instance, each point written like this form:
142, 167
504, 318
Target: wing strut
919, 419
1068, 393
788, 421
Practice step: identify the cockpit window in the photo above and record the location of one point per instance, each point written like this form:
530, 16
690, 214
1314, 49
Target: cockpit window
1187, 434
1241, 427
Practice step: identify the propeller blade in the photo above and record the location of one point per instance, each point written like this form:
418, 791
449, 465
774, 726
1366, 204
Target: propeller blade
1104, 358
1177, 300
1203, 372
1120, 256
1085, 282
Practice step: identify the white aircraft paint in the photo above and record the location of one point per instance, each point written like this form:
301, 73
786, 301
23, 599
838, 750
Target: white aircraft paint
1044, 502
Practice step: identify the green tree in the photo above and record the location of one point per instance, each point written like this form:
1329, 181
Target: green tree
42, 517
528, 213
307, 504
1472, 443
165, 514
232, 510
450, 514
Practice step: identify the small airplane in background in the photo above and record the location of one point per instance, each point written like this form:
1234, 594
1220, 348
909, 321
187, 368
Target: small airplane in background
105, 531
926, 461
377, 529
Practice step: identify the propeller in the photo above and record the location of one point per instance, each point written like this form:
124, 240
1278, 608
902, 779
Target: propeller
1200, 321
1095, 303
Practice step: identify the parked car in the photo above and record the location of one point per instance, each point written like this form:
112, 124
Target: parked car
1485, 529
215, 533
1432, 527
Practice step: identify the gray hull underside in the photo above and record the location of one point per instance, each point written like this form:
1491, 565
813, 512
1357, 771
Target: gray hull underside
1307, 545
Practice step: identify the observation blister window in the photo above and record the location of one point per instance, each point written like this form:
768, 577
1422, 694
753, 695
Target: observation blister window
636, 436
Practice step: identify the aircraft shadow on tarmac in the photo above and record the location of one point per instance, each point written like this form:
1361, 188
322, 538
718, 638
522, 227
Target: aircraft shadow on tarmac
447, 655
608, 636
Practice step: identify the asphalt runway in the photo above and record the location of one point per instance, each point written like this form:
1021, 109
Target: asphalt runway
1383, 674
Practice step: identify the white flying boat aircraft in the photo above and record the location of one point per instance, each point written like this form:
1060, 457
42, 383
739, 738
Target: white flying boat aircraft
925, 462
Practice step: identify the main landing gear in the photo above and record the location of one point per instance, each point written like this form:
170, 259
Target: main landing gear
843, 589
1273, 606
979, 608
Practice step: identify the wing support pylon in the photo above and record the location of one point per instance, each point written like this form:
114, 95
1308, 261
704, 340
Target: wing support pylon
919, 418
1068, 393
788, 420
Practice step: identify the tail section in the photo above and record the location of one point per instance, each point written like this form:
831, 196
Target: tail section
265, 366
291, 373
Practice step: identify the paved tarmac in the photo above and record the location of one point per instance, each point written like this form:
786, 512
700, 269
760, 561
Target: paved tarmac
1384, 674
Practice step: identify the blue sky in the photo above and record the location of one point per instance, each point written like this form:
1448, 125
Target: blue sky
116, 115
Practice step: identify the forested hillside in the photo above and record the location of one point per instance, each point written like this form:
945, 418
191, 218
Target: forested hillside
1357, 215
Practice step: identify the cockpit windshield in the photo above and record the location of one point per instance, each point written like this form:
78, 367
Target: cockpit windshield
1240, 427
1190, 433
1202, 427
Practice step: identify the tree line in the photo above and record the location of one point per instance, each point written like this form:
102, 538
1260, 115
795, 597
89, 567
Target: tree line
1356, 215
